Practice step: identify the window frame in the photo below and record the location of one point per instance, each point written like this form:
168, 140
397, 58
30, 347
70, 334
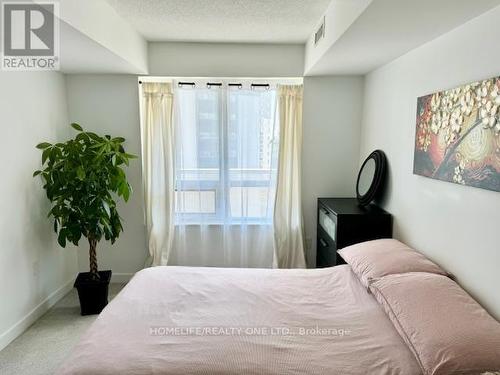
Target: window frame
223, 186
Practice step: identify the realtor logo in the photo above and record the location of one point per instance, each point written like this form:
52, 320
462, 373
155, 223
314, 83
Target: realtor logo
30, 36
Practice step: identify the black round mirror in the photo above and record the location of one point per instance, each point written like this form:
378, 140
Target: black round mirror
371, 177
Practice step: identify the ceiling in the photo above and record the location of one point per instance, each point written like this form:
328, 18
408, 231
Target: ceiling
106, 36
236, 21
81, 54
388, 29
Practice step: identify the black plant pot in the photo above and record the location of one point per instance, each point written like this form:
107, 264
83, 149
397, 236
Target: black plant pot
93, 294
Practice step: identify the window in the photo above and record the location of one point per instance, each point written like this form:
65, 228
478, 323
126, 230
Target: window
226, 153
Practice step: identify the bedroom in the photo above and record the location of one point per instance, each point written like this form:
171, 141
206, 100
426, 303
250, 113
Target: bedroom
363, 76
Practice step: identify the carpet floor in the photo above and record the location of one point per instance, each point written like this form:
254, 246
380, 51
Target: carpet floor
45, 345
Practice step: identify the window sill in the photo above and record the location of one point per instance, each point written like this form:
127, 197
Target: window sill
224, 224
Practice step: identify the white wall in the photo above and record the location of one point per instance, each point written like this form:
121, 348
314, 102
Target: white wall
99, 21
109, 104
225, 60
331, 127
339, 17
34, 271
457, 226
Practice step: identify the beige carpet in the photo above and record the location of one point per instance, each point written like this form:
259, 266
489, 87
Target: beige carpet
49, 340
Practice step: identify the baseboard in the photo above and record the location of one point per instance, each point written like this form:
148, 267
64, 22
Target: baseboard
23, 324
121, 278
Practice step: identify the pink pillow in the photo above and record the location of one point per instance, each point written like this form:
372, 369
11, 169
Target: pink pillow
447, 331
374, 259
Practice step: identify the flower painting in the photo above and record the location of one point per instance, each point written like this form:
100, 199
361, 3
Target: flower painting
458, 135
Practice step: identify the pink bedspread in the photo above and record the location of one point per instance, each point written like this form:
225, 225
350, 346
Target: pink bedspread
179, 320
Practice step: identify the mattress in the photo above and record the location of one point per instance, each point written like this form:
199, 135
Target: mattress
182, 320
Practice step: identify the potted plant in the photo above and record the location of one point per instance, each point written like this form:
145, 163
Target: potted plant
83, 177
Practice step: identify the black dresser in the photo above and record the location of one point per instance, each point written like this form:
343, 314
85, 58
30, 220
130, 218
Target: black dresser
342, 222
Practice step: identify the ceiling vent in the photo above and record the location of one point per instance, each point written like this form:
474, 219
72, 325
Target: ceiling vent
320, 33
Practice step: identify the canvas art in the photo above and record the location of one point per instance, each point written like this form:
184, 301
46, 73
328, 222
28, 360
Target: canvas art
458, 135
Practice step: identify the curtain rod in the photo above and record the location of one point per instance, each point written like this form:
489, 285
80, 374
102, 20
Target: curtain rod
219, 84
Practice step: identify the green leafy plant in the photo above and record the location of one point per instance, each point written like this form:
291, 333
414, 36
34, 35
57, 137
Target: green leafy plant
82, 178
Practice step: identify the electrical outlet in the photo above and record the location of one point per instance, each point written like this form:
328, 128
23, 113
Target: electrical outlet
36, 269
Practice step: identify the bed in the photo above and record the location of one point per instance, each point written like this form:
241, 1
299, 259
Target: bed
389, 311
134, 335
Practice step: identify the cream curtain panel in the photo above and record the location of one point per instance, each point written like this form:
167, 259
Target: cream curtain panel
158, 169
288, 225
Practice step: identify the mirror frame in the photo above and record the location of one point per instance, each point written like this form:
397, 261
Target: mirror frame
378, 181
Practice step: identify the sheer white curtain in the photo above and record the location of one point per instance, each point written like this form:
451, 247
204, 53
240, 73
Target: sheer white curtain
226, 149
288, 222
157, 137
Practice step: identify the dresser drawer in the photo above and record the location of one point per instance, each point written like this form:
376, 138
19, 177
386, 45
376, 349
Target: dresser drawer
326, 249
342, 222
328, 222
